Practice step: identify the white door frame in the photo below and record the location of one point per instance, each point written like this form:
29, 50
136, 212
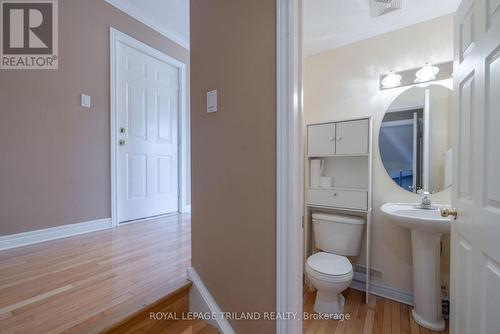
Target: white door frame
289, 271
115, 37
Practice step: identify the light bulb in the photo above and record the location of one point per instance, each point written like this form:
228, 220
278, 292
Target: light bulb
391, 80
426, 73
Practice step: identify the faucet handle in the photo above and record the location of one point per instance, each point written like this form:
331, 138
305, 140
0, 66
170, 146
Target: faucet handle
425, 200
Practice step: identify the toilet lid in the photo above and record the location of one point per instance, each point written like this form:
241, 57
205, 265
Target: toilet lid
330, 264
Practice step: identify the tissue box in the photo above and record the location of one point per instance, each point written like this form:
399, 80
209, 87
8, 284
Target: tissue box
325, 182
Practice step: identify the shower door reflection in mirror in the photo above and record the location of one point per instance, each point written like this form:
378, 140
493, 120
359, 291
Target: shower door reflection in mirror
415, 141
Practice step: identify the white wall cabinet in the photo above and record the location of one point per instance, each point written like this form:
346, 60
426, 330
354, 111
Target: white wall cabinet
352, 137
321, 139
338, 138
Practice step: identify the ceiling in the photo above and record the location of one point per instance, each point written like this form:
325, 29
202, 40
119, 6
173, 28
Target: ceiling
332, 23
168, 17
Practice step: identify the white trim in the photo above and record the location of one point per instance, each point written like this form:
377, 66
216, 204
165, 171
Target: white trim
58, 232
200, 300
140, 220
184, 141
116, 36
134, 12
289, 271
382, 290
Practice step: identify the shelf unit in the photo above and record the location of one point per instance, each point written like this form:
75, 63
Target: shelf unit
344, 148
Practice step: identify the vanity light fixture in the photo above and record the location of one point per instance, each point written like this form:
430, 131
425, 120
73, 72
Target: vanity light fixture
426, 73
391, 80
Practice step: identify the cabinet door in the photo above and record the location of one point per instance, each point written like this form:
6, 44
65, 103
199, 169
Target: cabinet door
352, 137
321, 139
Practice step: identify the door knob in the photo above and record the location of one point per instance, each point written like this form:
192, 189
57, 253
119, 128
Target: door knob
446, 212
122, 142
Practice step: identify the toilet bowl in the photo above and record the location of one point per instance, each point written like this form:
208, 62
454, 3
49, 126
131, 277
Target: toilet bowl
329, 271
330, 274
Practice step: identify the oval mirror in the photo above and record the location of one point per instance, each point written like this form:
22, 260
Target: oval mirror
415, 140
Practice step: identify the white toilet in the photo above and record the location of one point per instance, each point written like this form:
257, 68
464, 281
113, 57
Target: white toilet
329, 271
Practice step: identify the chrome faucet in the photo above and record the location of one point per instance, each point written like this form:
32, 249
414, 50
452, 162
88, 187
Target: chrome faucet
425, 200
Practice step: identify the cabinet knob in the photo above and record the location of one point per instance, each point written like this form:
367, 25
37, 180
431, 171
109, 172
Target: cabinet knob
339, 138
334, 194
122, 142
331, 139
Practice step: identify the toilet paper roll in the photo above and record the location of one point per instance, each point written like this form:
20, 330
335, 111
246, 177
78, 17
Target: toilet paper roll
315, 173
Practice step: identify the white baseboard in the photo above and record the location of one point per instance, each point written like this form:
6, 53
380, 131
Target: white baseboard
382, 290
200, 300
141, 220
33, 237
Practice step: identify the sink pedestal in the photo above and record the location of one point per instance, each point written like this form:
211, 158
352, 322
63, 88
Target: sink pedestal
426, 227
426, 252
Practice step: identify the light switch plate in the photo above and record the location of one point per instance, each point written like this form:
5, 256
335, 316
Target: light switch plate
86, 101
212, 101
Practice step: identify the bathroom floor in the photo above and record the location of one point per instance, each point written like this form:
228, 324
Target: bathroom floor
380, 316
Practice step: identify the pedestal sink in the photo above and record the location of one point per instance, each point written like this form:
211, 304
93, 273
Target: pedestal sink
426, 227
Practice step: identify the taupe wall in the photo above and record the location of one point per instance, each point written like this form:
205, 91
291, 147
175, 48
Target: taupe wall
55, 155
343, 83
233, 155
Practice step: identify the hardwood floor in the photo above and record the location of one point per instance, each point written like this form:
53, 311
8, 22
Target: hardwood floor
176, 305
380, 316
86, 283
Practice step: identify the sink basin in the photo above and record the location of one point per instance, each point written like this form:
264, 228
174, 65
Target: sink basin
407, 215
427, 227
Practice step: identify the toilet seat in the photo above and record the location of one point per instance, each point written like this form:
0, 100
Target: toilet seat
329, 267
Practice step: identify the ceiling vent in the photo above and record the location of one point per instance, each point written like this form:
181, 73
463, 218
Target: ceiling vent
381, 7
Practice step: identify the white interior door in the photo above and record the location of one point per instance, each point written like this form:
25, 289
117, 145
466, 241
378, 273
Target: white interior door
147, 105
475, 266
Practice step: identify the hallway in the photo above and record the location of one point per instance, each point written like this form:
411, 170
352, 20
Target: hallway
88, 282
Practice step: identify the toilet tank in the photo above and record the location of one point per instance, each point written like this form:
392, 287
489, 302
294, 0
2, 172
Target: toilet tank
338, 234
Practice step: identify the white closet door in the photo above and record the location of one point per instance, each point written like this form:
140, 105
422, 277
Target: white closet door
147, 156
352, 137
321, 139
